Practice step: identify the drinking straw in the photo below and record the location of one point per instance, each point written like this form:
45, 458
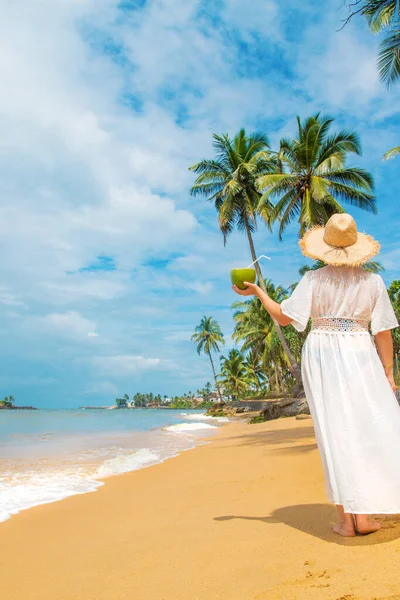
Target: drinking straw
257, 259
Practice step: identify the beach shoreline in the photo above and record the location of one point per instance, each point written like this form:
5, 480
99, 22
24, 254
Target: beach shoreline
63, 453
242, 517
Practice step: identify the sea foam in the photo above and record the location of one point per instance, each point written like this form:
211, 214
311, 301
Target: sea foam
188, 427
204, 417
31, 489
128, 462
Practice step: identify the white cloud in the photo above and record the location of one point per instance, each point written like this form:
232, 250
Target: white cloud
124, 365
69, 325
9, 299
342, 73
200, 287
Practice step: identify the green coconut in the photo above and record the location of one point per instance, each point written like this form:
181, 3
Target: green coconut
239, 276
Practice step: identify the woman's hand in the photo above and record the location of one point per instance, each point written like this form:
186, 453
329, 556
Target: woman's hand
251, 289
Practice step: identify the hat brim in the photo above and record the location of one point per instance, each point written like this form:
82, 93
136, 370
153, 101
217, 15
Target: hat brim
313, 246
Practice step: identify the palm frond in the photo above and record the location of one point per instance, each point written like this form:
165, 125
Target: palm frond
379, 14
339, 145
389, 59
353, 196
391, 153
351, 176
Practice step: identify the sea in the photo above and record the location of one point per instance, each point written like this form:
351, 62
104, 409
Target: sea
48, 455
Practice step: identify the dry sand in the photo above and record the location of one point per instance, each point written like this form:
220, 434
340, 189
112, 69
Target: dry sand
242, 518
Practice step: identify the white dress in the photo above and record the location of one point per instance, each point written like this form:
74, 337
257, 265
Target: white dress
355, 413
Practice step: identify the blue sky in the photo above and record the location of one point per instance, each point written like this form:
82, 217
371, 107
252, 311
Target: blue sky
108, 264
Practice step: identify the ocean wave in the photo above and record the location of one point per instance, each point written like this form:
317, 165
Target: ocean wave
78, 465
187, 427
204, 417
196, 417
127, 462
20, 492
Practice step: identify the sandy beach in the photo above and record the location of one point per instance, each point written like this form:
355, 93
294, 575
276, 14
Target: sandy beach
244, 517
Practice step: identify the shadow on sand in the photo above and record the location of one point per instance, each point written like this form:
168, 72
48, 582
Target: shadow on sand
279, 441
317, 520
274, 437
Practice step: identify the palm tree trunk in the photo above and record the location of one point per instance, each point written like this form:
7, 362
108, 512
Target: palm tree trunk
280, 379
215, 377
294, 366
276, 373
269, 372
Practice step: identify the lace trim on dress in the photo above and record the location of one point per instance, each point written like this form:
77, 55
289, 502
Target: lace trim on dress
339, 325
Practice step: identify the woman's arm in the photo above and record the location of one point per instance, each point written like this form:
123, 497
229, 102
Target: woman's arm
270, 305
384, 344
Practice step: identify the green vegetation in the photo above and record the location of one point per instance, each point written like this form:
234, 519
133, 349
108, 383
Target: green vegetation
7, 402
256, 335
208, 337
371, 266
383, 16
392, 153
313, 177
231, 181
122, 402
257, 419
233, 375
394, 295
202, 399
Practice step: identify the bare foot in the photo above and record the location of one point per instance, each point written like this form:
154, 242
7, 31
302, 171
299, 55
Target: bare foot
344, 529
365, 525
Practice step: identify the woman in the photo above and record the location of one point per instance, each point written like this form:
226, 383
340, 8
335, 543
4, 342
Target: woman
347, 378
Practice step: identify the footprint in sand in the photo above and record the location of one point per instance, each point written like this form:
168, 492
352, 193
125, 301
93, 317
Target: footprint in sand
290, 589
323, 575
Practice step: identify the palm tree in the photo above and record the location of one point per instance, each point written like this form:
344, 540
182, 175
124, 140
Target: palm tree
230, 181
371, 266
255, 331
233, 373
253, 369
383, 15
8, 401
122, 402
207, 390
392, 153
315, 177
208, 337
394, 295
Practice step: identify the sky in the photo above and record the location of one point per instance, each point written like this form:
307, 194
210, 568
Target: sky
107, 263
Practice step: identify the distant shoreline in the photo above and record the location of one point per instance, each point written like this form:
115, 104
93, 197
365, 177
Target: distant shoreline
18, 408
135, 408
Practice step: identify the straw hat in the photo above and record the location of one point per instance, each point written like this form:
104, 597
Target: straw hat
339, 243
